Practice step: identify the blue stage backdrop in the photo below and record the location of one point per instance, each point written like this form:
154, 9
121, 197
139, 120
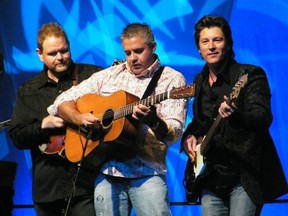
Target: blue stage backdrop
94, 26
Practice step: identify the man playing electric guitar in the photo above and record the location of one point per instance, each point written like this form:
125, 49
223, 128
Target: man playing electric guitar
242, 170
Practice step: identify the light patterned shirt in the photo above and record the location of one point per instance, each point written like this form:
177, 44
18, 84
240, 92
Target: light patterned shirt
150, 159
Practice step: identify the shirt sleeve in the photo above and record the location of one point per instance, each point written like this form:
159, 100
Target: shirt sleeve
85, 87
174, 111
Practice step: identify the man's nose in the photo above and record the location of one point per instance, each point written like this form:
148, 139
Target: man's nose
211, 45
59, 55
133, 56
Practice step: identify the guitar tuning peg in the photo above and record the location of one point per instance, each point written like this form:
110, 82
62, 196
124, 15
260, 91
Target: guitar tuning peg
117, 62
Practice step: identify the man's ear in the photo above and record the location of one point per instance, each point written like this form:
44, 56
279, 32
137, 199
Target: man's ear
39, 52
153, 46
200, 53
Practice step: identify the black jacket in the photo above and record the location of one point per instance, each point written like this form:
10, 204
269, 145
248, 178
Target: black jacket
245, 135
52, 174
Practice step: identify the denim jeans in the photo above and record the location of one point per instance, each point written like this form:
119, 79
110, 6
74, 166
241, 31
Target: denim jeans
237, 204
116, 196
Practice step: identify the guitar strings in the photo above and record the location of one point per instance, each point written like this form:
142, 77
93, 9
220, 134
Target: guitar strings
127, 109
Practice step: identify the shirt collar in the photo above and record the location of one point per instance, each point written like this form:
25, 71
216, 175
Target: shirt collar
223, 71
43, 78
149, 72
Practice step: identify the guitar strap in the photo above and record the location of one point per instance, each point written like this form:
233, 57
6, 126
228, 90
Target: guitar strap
152, 84
75, 82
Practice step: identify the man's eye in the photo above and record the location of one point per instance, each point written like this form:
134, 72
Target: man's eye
52, 54
138, 51
219, 39
64, 51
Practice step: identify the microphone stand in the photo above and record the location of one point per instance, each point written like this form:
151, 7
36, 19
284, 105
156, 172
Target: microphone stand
89, 136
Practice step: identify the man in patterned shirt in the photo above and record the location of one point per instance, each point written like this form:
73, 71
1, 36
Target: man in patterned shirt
139, 180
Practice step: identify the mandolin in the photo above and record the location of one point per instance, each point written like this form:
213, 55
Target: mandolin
54, 146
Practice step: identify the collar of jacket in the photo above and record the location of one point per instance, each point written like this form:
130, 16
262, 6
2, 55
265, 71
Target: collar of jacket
43, 78
223, 71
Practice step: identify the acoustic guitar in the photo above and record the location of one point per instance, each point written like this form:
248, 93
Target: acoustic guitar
54, 146
197, 168
117, 124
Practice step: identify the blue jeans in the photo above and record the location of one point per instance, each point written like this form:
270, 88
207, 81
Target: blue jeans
116, 196
237, 204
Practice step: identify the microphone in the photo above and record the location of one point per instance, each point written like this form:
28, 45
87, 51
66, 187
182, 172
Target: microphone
92, 131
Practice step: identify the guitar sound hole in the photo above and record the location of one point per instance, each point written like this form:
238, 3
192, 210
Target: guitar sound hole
108, 118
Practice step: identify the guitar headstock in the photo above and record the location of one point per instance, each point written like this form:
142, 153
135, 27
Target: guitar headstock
5, 124
117, 62
238, 86
183, 92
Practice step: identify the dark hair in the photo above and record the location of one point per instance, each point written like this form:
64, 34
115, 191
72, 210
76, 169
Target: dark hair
215, 21
50, 29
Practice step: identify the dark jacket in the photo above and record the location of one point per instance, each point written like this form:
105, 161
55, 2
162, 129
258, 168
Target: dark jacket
245, 136
52, 174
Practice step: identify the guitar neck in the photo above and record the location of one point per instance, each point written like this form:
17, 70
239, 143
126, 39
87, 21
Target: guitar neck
210, 134
233, 96
128, 109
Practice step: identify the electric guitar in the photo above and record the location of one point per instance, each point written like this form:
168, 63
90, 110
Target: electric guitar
196, 169
55, 145
117, 124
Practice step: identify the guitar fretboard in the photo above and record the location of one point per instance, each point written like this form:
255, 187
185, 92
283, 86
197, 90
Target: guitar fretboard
176, 93
128, 109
